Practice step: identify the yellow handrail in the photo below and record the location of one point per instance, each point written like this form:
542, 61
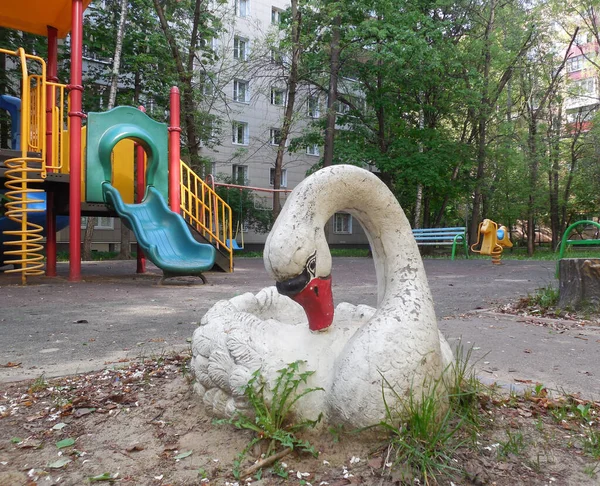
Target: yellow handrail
206, 211
27, 254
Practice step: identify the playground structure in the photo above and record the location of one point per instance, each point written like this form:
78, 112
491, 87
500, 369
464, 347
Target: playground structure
495, 238
51, 148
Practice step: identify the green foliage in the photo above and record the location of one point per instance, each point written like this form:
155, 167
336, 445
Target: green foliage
545, 298
428, 429
514, 444
272, 405
246, 210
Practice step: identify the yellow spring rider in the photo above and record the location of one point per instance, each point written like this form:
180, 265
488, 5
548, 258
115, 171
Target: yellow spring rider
495, 239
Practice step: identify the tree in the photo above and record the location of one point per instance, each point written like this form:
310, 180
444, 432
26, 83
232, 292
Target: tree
187, 50
91, 221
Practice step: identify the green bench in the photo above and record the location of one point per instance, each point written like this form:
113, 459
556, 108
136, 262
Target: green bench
565, 242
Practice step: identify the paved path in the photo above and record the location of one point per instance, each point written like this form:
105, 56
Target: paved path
56, 327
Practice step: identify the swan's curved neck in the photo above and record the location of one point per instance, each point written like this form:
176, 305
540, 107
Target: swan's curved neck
359, 192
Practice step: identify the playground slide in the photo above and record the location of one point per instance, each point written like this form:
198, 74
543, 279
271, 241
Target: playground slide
38, 217
162, 234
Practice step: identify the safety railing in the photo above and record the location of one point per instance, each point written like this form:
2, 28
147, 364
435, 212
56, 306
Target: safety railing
25, 250
206, 211
60, 122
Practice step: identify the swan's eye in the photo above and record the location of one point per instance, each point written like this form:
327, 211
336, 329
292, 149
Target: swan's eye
311, 265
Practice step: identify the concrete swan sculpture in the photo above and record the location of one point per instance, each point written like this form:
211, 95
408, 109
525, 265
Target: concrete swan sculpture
399, 340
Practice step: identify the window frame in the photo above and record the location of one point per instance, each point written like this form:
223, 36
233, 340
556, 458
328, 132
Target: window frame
313, 111
276, 15
235, 126
240, 52
313, 150
340, 216
278, 91
274, 136
235, 176
237, 83
283, 182
110, 223
575, 63
239, 12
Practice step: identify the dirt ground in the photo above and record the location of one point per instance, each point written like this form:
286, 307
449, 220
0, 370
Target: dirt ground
140, 425
135, 421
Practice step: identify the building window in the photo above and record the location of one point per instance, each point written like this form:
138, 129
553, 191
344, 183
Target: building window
276, 57
207, 84
585, 87
575, 64
313, 150
283, 182
274, 136
239, 133
313, 107
102, 223
242, 8
277, 96
239, 174
341, 108
275, 15
241, 91
342, 224
240, 48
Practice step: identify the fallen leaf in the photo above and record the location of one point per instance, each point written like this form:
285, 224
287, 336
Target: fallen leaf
103, 477
80, 412
135, 448
376, 463
59, 426
10, 364
183, 455
63, 461
61, 444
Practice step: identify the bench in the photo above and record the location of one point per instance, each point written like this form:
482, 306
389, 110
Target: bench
443, 236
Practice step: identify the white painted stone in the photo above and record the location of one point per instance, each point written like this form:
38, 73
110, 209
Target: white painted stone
399, 340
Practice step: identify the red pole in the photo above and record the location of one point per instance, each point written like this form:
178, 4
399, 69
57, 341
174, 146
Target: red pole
174, 152
140, 183
75, 116
51, 75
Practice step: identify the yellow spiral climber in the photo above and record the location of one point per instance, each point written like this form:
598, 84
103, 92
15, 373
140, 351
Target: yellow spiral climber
26, 255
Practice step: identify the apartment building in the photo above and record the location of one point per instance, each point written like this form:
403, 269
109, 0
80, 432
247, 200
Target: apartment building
246, 91
583, 92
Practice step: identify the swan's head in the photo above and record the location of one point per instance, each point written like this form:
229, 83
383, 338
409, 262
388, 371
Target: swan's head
297, 256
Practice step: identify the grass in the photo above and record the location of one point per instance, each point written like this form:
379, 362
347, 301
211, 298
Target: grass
273, 422
541, 254
426, 431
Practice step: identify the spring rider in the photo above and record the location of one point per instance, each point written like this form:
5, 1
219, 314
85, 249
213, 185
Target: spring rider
495, 239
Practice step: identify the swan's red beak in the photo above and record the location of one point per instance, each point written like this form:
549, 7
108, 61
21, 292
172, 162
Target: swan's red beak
317, 301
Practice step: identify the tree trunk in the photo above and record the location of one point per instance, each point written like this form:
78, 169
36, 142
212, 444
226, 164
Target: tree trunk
482, 120
334, 68
185, 74
289, 109
579, 283
125, 247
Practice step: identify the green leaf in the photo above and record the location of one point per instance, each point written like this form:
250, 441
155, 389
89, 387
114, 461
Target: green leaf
103, 477
61, 444
60, 463
183, 455
16, 440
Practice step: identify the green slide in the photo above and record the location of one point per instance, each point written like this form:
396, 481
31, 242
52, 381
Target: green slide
162, 234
